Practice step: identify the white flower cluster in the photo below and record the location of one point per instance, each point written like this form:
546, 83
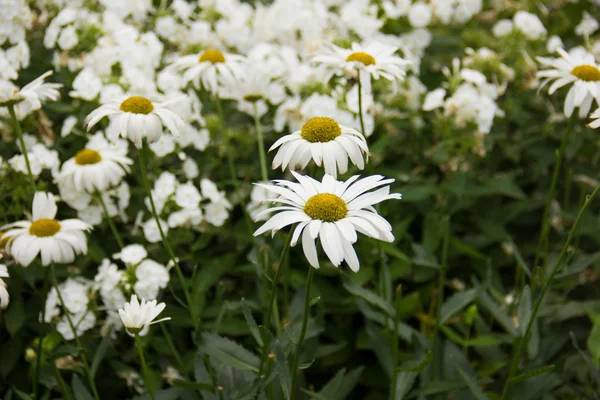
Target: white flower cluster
16, 17
40, 158
421, 14
75, 293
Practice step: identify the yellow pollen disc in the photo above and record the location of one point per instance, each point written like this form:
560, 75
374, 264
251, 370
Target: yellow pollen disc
44, 227
320, 129
212, 55
87, 156
326, 207
137, 105
364, 58
587, 73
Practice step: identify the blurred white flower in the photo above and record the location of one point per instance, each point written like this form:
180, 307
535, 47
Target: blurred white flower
419, 14
135, 315
530, 25
131, 254
30, 97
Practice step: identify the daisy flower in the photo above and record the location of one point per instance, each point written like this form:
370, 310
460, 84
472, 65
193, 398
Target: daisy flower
30, 97
4, 296
96, 169
136, 316
577, 68
377, 59
326, 142
332, 210
595, 116
210, 69
55, 241
138, 118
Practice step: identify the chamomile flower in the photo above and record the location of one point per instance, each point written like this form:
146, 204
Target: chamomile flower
138, 118
377, 59
95, 169
136, 316
210, 69
324, 141
30, 97
55, 241
577, 68
332, 210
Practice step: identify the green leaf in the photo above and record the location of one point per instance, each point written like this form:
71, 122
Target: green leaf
79, 390
194, 385
229, 353
340, 386
22, 395
417, 365
382, 349
392, 251
524, 311
472, 385
100, 352
531, 374
593, 341
15, 315
251, 323
593, 370
457, 302
283, 369
485, 302
369, 297
404, 382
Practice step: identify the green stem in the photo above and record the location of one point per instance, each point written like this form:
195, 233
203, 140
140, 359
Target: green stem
113, 228
17, 124
440, 296
360, 106
294, 370
38, 363
261, 146
169, 340
545, 285
138, 344
545, 223
394, 357
80, 348
188, 299
61, 383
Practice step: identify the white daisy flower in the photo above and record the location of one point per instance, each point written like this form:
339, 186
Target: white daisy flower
595, 116
577, 68
375, 58
96, 169
30, 97
55, 241
138, 118
331, 210
326, 142
210, 69
136, 316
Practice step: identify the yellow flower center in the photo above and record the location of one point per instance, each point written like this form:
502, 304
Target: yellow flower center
587, 73
212, 55
326, 207
44, 227
364, 58
252, 97
320, 129
87, 156
137, 105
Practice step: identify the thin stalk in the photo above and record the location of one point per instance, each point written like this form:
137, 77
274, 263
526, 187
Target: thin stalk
17, 124
172, 347
261, 145
111, 224
360, 106
186, 292
138, 344
545, 223
61, 383
294, 370
440, 295
272, 299
39, 349
394, 357
545, 285
80, 348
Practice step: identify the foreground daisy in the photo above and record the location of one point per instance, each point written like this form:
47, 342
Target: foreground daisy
377, 59
210, 69
136, 316
332, 210
94, 170
577, 68
30, 97
324, 141
55, 241
138, 118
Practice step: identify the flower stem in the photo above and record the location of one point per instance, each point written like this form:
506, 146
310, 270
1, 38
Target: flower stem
544, 288
169, 340
188, 299
80, 348
11, 110
38, 362
272, 299
360, 106
113, 228
545, 223
138, 344
261, 145
294, 370
440, 296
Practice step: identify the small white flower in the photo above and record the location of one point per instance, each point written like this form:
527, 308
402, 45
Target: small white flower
30, 97
136, 316
587, 26
596, 119
434, 99
502, 28
419, 15
530, 25
188, 196
151, 231
131, 254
